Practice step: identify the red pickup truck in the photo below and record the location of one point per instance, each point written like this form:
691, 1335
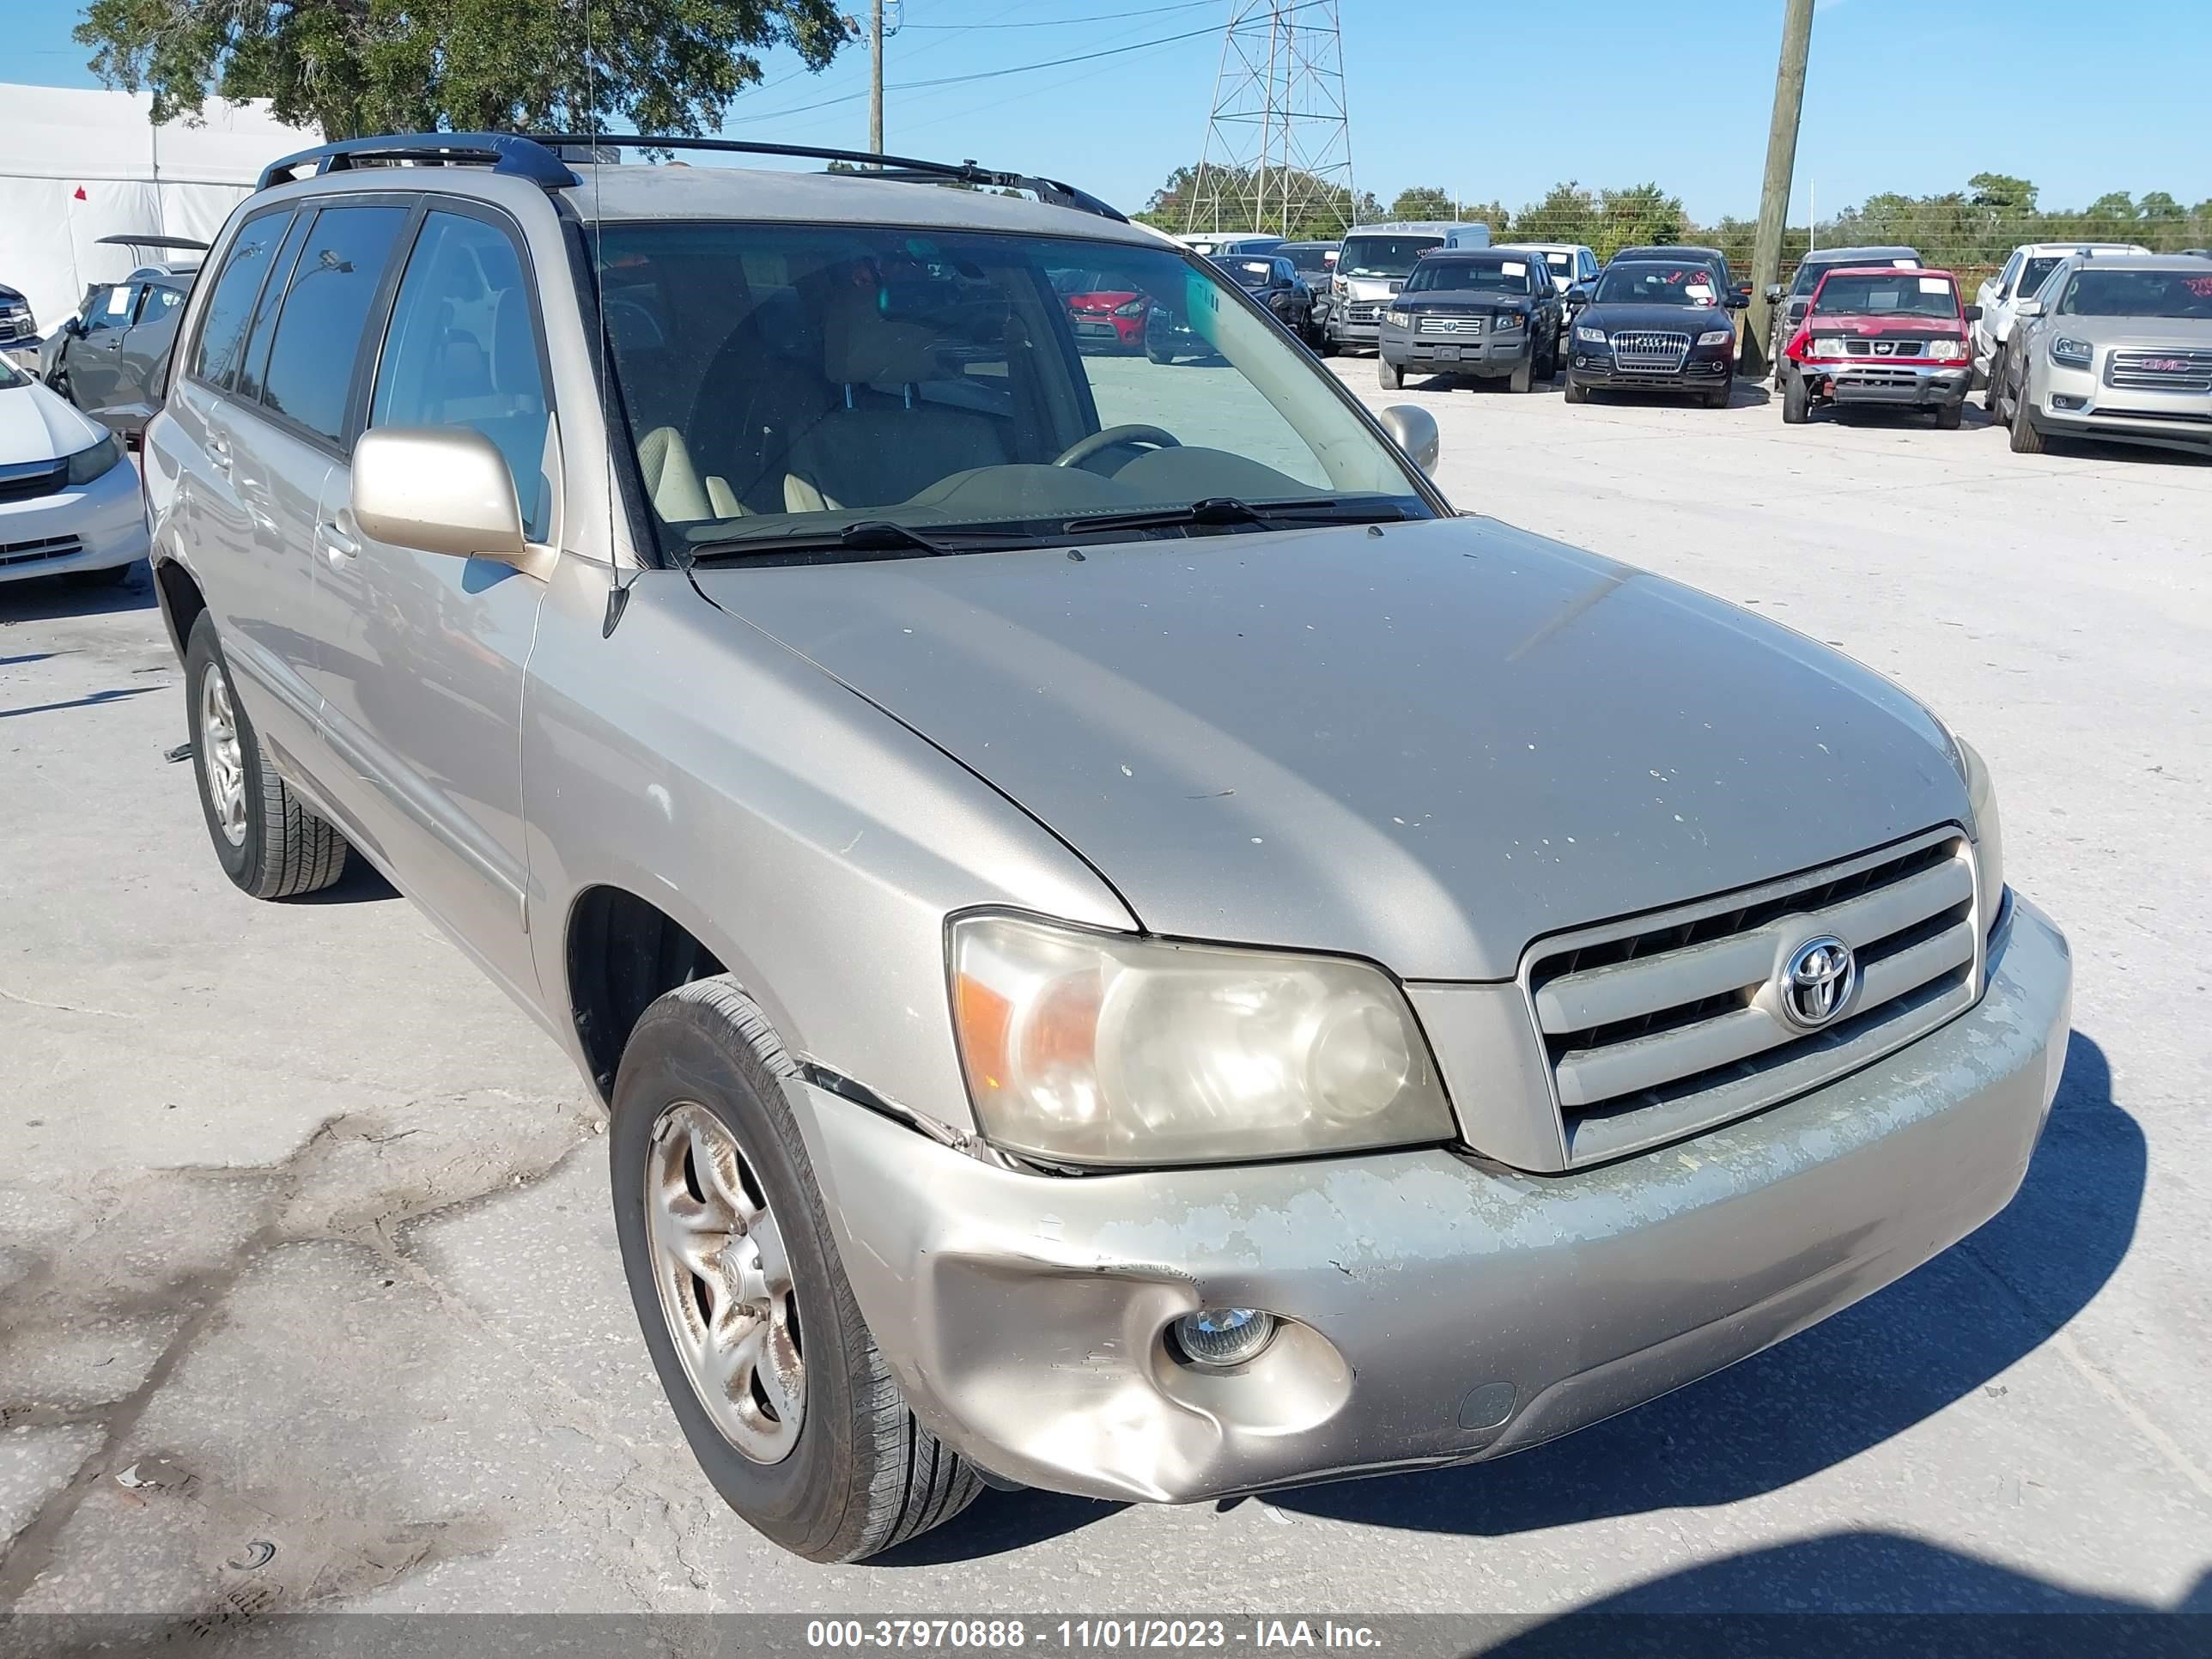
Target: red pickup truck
1883, 336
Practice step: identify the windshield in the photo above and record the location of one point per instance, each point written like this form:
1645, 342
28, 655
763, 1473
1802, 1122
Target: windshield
1897, 294
1382, 256
2139, 294
1810, 271
10, 377
2034, 273
1311, 257
1469, 276
787, 382
1657, 285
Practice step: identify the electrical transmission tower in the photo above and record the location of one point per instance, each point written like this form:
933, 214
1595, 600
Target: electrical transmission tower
1278, 153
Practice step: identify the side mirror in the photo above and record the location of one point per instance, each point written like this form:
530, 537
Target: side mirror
2029, 309
1737, 299
1974, 313
1578, 295
443, 490
1774, 292
1413, 429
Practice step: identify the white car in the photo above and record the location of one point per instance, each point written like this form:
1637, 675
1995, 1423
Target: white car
1569, 262
69, 502
2021, 275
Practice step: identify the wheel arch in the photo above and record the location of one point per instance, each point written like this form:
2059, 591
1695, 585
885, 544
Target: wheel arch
178, 595
620, 953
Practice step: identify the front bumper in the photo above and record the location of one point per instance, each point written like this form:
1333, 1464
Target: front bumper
96, 526
1706, 369
1356, 322
1476, 353
2076, 403
1108, 333
1445, 1311
1893, 384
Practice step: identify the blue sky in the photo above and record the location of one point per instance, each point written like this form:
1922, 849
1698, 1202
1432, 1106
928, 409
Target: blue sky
1912, 95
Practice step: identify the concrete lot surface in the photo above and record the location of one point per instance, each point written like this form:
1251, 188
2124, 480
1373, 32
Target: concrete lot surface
308, 1292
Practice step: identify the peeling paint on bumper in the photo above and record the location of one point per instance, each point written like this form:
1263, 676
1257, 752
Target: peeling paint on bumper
1024, 1316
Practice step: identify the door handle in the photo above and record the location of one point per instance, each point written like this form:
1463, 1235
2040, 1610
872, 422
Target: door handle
336, 545
218, 449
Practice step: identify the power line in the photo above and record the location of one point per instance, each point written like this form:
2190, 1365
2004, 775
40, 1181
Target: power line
992, 73
1062, 22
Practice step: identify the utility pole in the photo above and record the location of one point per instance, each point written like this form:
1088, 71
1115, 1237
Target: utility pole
876, 78
1781, 166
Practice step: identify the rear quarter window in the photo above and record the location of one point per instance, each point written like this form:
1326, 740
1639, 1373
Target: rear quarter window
230, 303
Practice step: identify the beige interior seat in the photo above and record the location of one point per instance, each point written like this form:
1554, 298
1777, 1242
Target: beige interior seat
879, 442
673, 483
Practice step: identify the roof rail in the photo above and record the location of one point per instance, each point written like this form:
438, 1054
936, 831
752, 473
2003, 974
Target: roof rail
905, 168
504, 151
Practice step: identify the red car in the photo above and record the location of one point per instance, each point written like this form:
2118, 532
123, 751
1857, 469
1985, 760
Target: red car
1103, 315
1882, 335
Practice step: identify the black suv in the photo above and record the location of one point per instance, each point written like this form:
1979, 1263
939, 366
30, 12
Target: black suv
1481, 313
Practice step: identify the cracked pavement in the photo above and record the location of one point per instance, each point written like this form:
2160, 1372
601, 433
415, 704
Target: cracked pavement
309, 1296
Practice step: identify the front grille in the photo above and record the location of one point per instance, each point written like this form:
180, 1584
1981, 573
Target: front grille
1447, 323
36, 552
2179, 370
1871, 379
1642, 351
1883, 348
1667, 1026
1362, 311
15, 324
24, 483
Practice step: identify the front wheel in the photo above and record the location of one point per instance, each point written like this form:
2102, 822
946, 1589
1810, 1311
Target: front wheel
268, 844
2027, 438
1993, 396
1388, 375
1948, 416
1796, 404
1523, 376
1576, 391
788, 1404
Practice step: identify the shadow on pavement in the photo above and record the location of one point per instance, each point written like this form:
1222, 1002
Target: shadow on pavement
44, 599
1824, 1395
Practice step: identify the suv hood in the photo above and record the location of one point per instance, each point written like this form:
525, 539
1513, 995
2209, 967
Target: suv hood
1692, 320
1426, 748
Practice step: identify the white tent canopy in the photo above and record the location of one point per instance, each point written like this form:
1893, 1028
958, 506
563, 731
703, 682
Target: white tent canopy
76, 166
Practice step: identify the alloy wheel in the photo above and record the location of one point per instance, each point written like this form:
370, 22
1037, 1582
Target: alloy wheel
223, 758
725, 1282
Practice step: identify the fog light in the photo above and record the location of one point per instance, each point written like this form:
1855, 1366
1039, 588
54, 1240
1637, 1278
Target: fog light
1218, 1338
2060, 400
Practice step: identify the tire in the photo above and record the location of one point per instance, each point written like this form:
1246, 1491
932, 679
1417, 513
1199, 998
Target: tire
1387, 374
1948, 416
268, 844
1797, 406
1716, 399
1523, 374
1993, 396
860, 1473
1576, 391
2027, 438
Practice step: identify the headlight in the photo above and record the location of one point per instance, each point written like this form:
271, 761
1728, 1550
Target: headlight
1717, 336
89, 464
1399, 319
1103, 1048
2072, 354
1506, 321
1133, 308
1948, 351
1989, 831
1585, 336
1830, 345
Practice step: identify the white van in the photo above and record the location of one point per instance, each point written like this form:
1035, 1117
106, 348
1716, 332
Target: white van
1373, 265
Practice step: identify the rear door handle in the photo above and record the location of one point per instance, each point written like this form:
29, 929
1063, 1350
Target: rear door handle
218, 448
336, 543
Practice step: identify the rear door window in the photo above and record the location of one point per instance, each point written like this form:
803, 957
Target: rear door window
463, 350
114, 311
254, 360
230, 306
309, 377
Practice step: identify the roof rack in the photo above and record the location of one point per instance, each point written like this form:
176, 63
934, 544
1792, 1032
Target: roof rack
904, 168
535, 156
505, 151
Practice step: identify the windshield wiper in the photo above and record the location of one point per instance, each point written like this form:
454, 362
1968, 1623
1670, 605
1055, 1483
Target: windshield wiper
868, 535
1226, 510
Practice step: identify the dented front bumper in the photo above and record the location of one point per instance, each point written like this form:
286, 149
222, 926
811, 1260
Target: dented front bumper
1442, 1310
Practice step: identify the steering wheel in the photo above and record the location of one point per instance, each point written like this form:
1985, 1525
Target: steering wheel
1084, 448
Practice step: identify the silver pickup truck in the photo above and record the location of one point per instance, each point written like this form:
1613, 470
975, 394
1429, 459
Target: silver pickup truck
1128, 948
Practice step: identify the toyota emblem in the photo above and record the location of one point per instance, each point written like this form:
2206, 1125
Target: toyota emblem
1817, 981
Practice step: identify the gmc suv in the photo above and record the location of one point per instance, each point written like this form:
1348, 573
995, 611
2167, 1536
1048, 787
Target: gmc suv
1128, 948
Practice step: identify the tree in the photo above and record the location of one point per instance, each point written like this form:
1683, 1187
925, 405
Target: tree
1424, 201
1295, 203
360, 66
1633, 217
2002, 192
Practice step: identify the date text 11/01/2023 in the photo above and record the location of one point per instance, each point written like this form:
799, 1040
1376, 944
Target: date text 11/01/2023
1087, 1634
